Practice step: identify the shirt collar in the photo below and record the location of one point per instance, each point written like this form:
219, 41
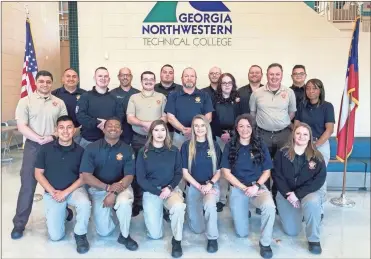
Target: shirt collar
65, 148
157, 150
36, 94
282, 88
297, 88
96, 92
105, 144
196, 91
77, 91
173, 85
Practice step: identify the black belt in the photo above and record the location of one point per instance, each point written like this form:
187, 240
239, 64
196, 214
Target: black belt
202, 183
271, 131
179, 132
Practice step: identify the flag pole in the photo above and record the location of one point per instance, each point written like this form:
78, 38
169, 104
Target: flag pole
342, 201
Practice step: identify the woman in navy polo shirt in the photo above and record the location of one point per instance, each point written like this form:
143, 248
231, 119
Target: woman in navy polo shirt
300, 173
159, 171
318, 114
201, 158
246, 165
227, 108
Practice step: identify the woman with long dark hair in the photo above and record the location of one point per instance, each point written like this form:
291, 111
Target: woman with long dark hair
201, 159
227, 108
159, 171
246, 165
300, 173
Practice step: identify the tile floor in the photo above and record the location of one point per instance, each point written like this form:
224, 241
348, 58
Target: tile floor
345, 233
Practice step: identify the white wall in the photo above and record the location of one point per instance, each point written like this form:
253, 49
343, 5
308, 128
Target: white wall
286, 32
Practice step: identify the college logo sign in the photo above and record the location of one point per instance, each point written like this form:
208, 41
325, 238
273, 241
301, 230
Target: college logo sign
209, 25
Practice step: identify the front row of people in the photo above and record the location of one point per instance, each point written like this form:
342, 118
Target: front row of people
108, 166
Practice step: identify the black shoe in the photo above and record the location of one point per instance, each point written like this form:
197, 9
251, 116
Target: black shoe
136, 210
82, 244
129, 243
315, 248
69, 215
219, 206
17, 233
166, 215
212, 246
258, 211
265, 251
176, 251
249, 214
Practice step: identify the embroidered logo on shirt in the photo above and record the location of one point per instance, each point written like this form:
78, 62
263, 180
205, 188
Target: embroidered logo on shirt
252, 155
77, 97
77, 109
158, 102
238, 100
312, 165
208, 153
119, 156
283, 95
133, 157
55, 103
198, 99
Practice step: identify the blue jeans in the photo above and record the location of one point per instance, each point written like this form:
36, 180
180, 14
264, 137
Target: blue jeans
55, 213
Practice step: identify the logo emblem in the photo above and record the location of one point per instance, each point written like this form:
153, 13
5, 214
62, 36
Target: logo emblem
133, 156
77, 109
252, 155
119, 156
283, 95
238, 99
312, 165
55, 103
208, 153
198, 99
77, 97
158, 102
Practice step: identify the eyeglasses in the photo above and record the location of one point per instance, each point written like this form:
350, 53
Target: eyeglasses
214, 73
299, 74
227, 83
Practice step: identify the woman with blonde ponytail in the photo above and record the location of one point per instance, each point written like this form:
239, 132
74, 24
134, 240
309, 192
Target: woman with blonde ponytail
201, 158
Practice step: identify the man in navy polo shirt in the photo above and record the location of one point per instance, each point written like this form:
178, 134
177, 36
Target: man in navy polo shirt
108, 167
183, 105
122, 95
70, 94
57, 170
95, 106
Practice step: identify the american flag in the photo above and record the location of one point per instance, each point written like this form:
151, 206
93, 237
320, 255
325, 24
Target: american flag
29, 65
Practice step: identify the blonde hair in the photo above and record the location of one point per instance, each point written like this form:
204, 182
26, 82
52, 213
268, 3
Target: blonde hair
310, 151
167, 141
209, 139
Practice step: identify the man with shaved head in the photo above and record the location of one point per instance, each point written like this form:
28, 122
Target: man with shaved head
214, 74
122, 95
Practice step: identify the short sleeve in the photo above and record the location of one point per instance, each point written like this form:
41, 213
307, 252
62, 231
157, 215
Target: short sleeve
40, 159
129, 164
252, 102
208, 104
267, 163
292, 100
329, 113
164, 101
170, 104
225, 161
184, 154
87, 162
131, 106
22, 111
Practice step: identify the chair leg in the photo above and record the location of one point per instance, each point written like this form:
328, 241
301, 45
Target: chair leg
364, 188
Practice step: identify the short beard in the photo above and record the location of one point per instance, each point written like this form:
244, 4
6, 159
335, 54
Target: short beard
190, 85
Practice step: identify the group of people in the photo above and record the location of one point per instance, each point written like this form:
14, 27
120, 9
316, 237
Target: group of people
175, 152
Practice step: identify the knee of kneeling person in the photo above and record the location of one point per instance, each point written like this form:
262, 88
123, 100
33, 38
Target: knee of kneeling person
178, 208
155, 233
312, 202
123, 202
56, 236
210, 206
268, 208
293, 232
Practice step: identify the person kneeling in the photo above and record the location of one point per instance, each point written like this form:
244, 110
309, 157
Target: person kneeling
108, 167
159, 171
57, 171
246, 165
300, 173
201, 159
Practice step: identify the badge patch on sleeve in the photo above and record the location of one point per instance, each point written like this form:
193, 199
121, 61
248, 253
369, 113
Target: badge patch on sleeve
77, 109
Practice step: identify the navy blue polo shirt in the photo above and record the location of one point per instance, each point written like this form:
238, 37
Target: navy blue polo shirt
202, 166
185, 106
166, 91
70, 99
107, 163
122, 97
158, 167
61, 164
316, 116
245, 170
224, 116
93, 105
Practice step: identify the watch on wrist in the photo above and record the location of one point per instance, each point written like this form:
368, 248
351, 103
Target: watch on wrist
116, 193
171, 188
210, 181
258, 184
